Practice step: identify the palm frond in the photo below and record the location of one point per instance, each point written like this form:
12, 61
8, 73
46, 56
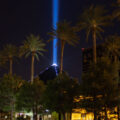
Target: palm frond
87, 33
9, 51
98, 34
27, 54
95, 17
36, 56
32, 44
112, 45
40, 53
65, 32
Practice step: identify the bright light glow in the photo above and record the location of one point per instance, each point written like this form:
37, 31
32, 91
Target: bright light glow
54, 64
47, 110
55, 21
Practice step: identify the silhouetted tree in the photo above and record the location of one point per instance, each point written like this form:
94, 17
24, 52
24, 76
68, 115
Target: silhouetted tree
8, 53
30, 97
67, 35
99, 86
92, 21
32, 45
60, 94
112, 47
9, 87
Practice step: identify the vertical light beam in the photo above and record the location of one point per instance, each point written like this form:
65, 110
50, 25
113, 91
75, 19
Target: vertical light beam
55, 21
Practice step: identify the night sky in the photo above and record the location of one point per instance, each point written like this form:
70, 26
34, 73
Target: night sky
19, 18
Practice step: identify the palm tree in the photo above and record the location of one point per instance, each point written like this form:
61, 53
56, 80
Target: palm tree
32, 45
112, 45
2, 62
116, 12
8, 53
67, 35
92, 21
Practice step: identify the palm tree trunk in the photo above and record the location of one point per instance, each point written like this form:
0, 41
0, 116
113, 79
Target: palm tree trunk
34, 114
11, 63
59, 116
61, 59
106, 117
115, 58
64, 118
118, 112
11, 114
70, 115
32, 67
94, 47
95, 115
12, 111
95, 112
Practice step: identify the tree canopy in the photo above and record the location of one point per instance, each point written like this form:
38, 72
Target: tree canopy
60, 94
30, 97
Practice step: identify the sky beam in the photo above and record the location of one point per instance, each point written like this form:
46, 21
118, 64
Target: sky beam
55, 21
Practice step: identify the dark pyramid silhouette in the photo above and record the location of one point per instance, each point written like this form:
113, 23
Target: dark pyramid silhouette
49, 73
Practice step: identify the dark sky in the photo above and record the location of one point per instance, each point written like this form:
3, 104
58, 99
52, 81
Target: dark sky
19, 18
